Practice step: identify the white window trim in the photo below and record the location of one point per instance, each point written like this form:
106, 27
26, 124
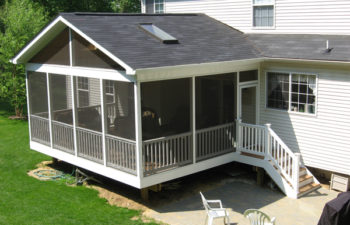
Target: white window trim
263, 27
154, 7
290, 93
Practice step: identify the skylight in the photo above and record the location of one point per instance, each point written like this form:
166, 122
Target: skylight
159, 33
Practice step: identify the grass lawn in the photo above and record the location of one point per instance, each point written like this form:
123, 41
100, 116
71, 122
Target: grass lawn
26, 200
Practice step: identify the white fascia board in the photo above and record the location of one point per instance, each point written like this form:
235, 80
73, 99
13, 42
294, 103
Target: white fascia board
311, 61
129, 70
98, 73
61, 23
203, 69
114, 174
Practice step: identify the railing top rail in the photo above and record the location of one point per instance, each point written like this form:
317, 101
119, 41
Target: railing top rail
120, 139
166, 138
39, 117
215, 127
291, 153
90, 131
61, 123
252, 125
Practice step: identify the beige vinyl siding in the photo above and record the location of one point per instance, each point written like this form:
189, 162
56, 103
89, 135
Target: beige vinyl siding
293, 16
323, 139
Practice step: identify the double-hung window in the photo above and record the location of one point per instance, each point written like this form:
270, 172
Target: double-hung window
263, 13
83, 91
295, 92
159, 6
109, 88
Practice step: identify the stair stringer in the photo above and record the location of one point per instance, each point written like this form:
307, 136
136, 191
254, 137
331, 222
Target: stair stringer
283, 185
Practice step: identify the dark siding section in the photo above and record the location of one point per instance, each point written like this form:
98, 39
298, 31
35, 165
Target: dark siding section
149, 6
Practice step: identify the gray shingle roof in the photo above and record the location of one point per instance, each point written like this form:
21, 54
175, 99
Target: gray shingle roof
201, 38
302, 46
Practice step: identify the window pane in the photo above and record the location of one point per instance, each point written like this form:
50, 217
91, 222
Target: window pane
120, 109
56, 52
88, 55
304, 88
277, 98
263, 16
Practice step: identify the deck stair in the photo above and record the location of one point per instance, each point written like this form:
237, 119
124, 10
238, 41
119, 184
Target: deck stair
260, 146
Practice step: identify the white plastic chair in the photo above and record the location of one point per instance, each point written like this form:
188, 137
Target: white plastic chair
214, 213
257, 217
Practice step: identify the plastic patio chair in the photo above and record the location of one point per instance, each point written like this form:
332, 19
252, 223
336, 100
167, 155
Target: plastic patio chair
257, 217
214, 213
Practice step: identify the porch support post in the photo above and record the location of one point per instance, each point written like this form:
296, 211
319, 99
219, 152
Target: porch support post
28, 106
267, 141
194, 145
103, 120
74, 114
238, 135
138, 129
49, 107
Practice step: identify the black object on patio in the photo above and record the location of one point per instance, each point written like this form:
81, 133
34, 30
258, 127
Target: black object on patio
336, 211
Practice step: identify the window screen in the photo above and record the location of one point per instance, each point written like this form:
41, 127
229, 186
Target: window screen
38, 94
56, 52
87, 55
120, 109
215, 100
250, 75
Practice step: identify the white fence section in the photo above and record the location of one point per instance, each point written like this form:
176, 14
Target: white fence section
89, 144
63, 136
215, 141
263, 141
39, 128
164, 153
121, 154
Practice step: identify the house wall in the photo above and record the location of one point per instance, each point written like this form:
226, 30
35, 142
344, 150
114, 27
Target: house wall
293, 16
324, 138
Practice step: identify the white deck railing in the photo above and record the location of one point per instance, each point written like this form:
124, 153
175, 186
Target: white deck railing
215, 141
263, 141
63, 136
121, 154
40, 130
89, 144
167, 152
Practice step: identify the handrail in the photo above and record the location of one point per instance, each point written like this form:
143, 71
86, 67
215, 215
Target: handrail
215, 127
166, 138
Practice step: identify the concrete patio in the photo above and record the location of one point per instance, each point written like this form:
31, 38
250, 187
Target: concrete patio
239, 195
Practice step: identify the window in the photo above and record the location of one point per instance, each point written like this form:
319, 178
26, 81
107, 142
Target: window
158, 33
291, 91
263, 13
109, 88
158, 6
83, 91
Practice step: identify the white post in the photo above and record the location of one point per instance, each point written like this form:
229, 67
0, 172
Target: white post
49, 107
267, 141
194, 144
103, 120
138, 129
296, 172
74, 113
238, 135
28, 106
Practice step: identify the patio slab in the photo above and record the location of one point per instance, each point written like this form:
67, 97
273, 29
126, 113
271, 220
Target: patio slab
237, 197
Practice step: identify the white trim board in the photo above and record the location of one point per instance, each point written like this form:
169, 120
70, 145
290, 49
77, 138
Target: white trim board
114, 174
46, 35
81, 71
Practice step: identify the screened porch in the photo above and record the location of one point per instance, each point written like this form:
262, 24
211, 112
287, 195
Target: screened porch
183, 121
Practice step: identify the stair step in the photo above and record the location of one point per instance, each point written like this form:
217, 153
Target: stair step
304, 178
308, 188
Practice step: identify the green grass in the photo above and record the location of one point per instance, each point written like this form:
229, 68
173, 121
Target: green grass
26, 200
